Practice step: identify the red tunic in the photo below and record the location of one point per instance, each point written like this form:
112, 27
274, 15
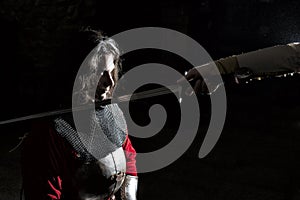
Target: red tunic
49, 162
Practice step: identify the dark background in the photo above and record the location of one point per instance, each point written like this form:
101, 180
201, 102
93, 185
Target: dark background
257, 154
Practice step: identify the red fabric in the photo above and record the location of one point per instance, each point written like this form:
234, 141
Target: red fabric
61, 161
49, 163
130, 154
55, 188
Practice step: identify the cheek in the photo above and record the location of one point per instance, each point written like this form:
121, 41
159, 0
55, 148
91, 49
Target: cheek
114, 75
113, 82
113, 78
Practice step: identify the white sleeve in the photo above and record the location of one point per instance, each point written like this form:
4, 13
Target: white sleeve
281, 58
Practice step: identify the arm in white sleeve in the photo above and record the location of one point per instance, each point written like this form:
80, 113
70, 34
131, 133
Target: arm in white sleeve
129, 188
280, 58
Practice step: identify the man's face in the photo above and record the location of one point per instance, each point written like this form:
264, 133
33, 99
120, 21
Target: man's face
106, 82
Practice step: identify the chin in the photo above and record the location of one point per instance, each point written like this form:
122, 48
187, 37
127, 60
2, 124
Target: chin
104, 96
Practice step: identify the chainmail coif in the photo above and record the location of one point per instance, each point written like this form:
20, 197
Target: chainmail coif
99, 133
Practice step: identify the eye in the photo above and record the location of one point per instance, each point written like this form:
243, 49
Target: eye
115, 61
113, 72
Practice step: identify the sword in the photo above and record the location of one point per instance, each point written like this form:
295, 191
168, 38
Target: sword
123, 98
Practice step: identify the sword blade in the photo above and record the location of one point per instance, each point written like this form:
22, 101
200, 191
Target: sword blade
136, 96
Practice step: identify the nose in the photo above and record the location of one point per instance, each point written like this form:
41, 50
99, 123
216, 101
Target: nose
107, 79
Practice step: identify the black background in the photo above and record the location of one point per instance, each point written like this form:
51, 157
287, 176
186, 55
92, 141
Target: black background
257, 154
